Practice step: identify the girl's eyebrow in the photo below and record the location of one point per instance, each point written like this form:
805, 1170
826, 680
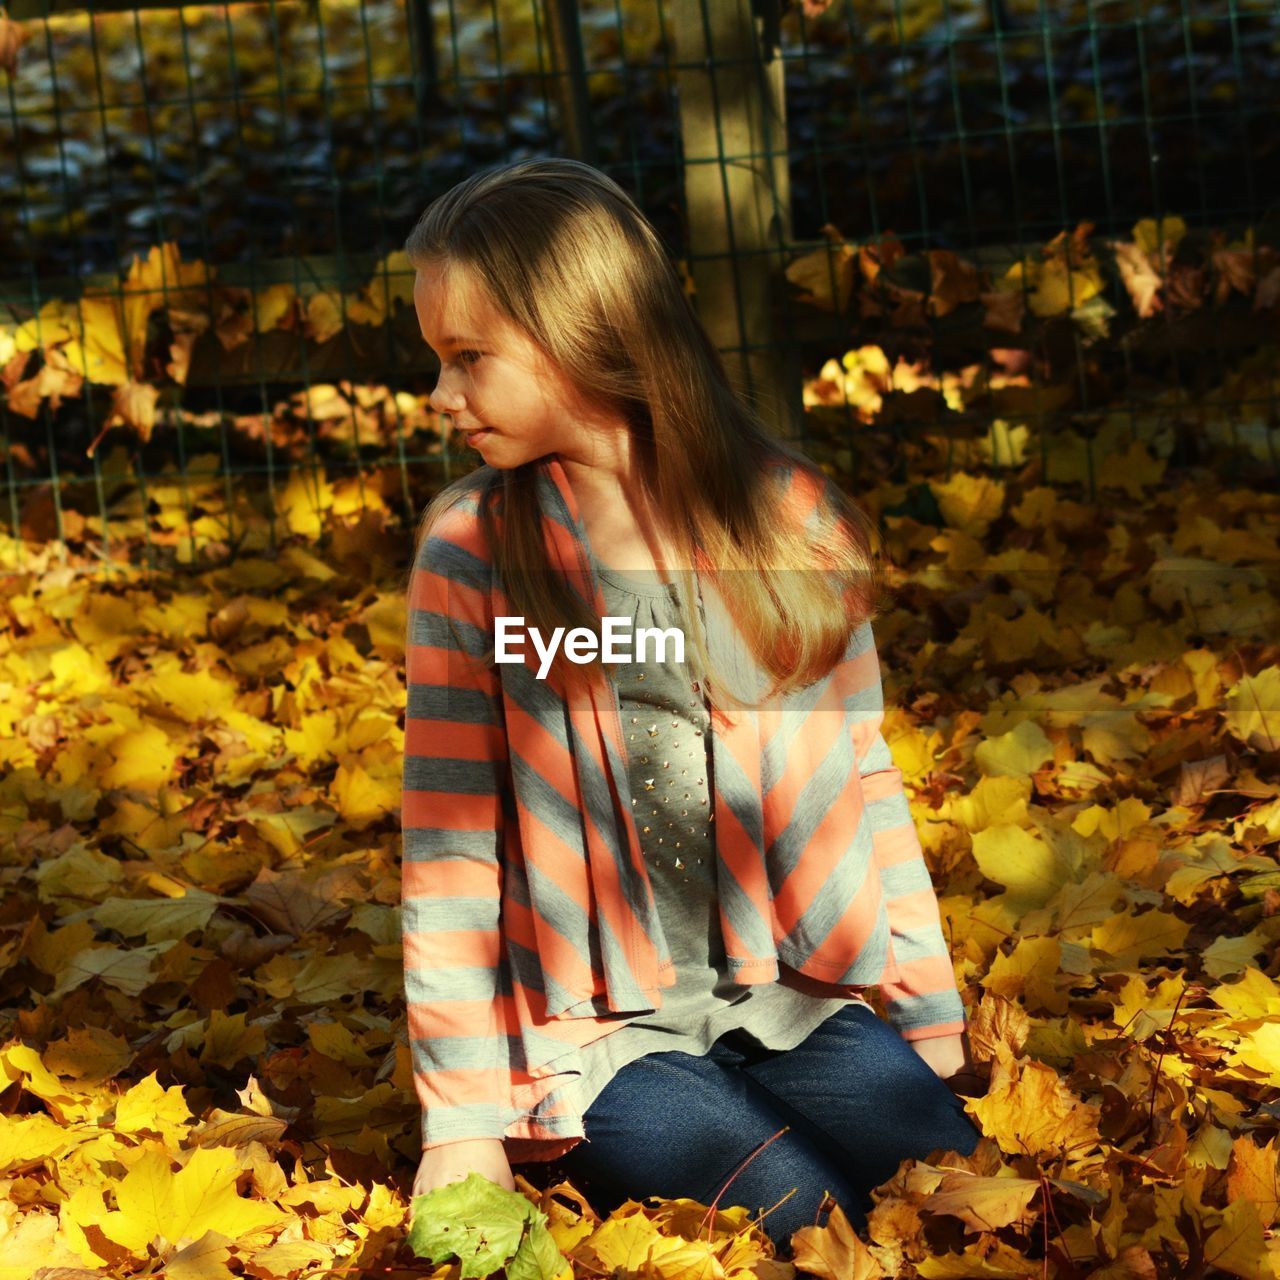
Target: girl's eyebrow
455, 340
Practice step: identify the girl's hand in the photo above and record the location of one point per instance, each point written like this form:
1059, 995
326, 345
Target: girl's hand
453, 1161
950, 1059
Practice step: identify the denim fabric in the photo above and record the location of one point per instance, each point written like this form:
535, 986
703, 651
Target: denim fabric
859, 1099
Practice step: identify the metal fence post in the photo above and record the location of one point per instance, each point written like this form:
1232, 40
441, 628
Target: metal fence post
422, 38
565, 35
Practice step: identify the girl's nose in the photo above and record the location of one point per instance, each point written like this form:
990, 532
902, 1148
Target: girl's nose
444, 398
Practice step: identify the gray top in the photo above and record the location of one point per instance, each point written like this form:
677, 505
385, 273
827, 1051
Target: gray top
666, 727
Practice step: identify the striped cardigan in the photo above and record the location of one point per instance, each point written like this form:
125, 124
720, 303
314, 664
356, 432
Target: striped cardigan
529, 924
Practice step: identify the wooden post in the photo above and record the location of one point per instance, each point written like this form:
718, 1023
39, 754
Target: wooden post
737, 193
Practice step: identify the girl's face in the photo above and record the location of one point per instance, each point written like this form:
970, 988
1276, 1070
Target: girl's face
503, 393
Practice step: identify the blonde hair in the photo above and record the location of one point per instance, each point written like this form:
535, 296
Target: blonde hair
563, 252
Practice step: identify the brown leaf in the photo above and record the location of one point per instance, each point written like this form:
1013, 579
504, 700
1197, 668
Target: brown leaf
908, 310
1198, 779
38, 518
133, 404
54, 380
1005, 309
1186, 287
879, 255
826, 276
180, 357
1268, 293
954, 281
15, 368
1233, 269
1139, 276
834, 1251
296, 903
12, 37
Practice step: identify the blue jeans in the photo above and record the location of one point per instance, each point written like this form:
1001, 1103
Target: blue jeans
858, 1098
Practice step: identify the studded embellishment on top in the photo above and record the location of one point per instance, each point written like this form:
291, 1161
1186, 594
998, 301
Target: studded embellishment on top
667, 742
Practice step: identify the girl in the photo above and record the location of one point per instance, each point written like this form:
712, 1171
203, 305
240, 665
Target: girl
667, 880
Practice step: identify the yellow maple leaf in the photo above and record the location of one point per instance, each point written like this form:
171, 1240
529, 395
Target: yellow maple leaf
1115, 733
1134, 470
269, 307
193, 695
127, 969
160, 280
1253, 709
142, 759
391, 282
77, 672
1255, 1176
982, 1203
1153, 235
58, 320
1029, 1109
1052, 288
157, 918
1032, 871
1126, 937
1259, 1050
96, 347
148, 1107
303, 501
21, 1063
1237, 1246
969, 502
996, 798
81, 873
1127, 815
28, 1140
152, 1200
323, 314
1032, 972
386, 617
33, 1243
322, 979
364, 796
313, 739
1017, 753
229, 1038
1255, 995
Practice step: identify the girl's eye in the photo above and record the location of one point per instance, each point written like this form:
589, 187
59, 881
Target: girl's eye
469, 352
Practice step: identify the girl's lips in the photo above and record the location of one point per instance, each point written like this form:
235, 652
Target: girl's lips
482, 434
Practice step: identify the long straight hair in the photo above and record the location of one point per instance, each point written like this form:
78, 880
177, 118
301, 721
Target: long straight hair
563, 252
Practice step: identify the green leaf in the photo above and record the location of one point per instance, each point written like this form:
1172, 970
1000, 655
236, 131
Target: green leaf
486, 1228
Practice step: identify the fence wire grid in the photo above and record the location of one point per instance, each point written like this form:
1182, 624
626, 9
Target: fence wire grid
204, 312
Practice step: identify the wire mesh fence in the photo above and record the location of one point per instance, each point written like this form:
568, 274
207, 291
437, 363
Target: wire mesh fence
1003, 234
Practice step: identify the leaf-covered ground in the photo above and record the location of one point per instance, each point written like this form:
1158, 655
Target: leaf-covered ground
203, 1069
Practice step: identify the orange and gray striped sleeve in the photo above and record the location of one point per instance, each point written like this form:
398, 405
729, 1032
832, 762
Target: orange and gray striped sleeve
923, 1001
455, 769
